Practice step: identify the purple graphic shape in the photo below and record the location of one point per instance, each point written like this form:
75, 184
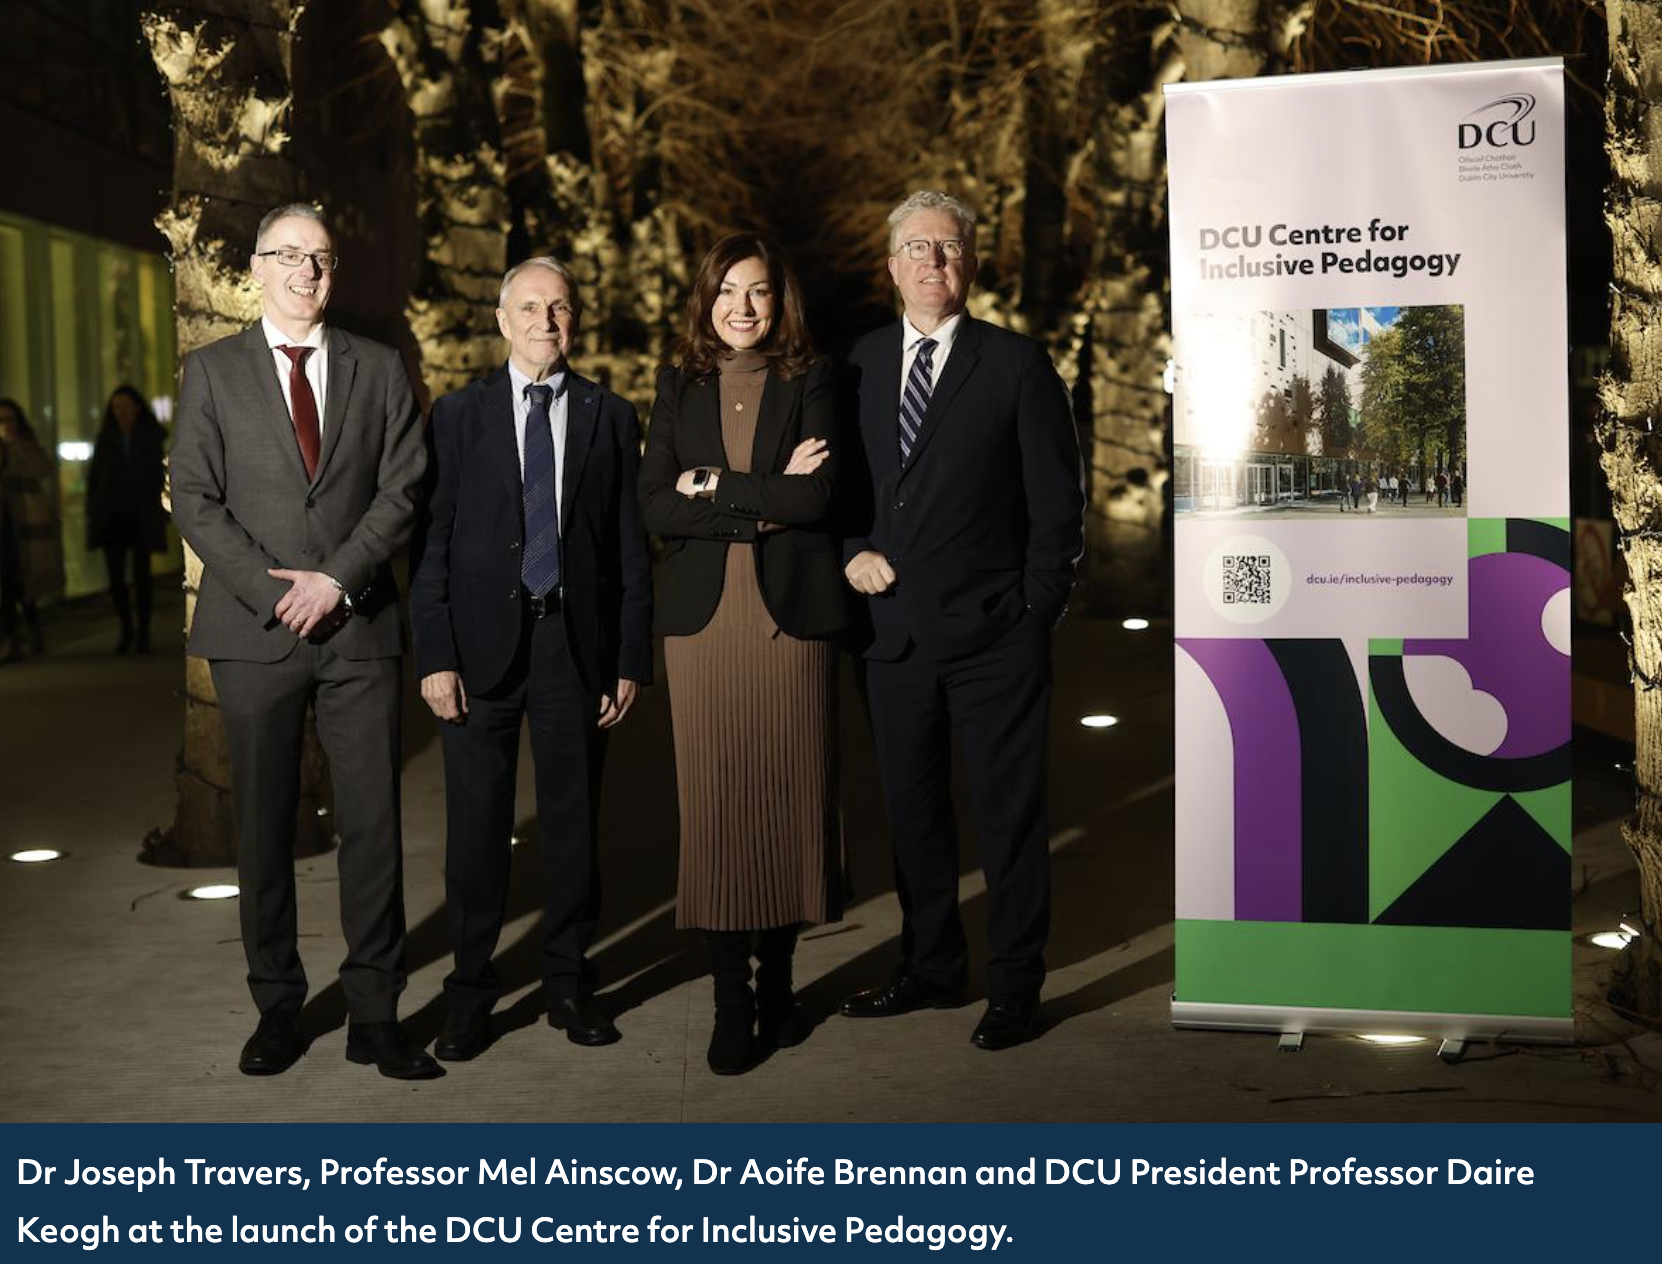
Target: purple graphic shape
1269, 861
1506, 653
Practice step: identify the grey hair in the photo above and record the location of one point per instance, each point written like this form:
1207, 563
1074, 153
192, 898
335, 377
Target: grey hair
931, 200
291, 210
553, 265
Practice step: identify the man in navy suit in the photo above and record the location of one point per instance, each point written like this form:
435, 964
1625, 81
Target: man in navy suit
531, 599
965, 528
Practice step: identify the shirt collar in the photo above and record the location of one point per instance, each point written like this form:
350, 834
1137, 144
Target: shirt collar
520, 381
910, 335
275, 337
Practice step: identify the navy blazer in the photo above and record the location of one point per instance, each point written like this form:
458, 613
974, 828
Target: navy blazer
796, 569
465, 592
984, 524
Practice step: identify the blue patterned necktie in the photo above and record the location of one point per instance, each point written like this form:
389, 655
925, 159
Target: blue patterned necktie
914, 401
539, 568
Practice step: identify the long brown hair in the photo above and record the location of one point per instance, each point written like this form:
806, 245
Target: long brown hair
699, 348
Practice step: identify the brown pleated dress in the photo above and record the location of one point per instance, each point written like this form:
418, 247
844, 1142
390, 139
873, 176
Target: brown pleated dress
754, 712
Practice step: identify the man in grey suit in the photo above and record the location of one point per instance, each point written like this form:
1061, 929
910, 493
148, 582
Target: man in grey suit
297, 461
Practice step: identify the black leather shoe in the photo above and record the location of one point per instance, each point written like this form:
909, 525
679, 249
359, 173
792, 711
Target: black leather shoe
583, 1021
780, 1022
383, 1045
275, 1045
732, 1046
1009, 1021
466, 1034
901, 995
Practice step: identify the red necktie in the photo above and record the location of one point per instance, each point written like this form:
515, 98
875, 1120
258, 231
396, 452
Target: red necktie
303, 404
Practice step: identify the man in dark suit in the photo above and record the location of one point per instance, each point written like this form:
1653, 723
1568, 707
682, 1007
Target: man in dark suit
297, 460
966, 525
531, 600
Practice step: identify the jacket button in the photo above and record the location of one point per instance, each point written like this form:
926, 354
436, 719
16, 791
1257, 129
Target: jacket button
512, 547
310, 503
513, 594
900, 504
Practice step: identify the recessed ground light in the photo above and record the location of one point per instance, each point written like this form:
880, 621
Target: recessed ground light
1613, 939
514, 840
1134, 625
1388, 1038
36, 855
1099, 721
213, 891
1627, 927
323, 811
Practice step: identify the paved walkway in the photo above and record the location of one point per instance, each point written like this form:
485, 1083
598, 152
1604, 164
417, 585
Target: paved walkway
124, 1002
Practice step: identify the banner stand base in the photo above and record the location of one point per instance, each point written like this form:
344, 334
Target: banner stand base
1292, 1023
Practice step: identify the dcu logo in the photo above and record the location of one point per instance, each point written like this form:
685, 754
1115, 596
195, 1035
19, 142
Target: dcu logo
1501, 123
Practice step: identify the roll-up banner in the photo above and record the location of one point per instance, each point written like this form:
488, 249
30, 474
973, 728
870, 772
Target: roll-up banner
1372, 606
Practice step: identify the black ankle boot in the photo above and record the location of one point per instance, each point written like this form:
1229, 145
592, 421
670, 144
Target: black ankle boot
779, 1019
732, 1042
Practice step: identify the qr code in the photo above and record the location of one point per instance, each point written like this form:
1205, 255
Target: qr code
1246, 580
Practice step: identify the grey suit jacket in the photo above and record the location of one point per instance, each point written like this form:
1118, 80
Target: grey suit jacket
242, 500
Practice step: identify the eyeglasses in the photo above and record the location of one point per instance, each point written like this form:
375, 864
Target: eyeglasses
921, 248
294, 258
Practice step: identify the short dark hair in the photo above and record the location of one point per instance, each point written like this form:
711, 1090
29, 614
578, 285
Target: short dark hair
699, 348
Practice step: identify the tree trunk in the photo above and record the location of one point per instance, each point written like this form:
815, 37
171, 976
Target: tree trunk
461, 194
228, 76
1631, 393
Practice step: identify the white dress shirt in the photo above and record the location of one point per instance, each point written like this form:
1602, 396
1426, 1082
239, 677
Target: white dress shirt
556, 421
317, 364
909, 339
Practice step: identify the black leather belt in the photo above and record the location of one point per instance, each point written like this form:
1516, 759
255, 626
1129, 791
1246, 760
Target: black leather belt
540, 607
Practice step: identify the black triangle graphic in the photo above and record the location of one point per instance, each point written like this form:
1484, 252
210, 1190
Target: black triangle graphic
1506, 871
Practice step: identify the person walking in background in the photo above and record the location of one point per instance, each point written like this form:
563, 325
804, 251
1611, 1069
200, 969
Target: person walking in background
1355, 493
31, 550
1371, 489
125, 517
530, 600
1457, 488
738, 478
297, 463
1442, 489
964, 527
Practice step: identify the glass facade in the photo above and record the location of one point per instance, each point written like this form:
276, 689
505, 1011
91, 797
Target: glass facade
79, 316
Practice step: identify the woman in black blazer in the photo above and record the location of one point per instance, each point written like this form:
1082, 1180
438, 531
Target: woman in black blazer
737, 478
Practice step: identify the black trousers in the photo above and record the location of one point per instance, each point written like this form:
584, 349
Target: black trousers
123, 538
357, 705
997, 703
481, 763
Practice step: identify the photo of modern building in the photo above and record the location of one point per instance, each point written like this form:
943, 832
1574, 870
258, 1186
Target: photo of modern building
1325, 410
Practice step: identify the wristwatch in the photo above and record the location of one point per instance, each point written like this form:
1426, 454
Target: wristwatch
345, 597
701, 476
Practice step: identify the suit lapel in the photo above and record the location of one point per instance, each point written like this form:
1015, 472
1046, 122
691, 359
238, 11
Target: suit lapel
263, 368
497, 439
881, 416
777, 397
582, 421
959, 365
343, 367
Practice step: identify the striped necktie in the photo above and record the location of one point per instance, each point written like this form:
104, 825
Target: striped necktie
914, 400
539, 567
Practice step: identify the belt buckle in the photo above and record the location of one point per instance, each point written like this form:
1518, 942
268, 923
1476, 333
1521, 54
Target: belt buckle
543, 606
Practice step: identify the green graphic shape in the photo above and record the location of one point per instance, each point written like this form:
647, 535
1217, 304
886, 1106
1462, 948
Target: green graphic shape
1414, 814
1551, 810
1485, 535
1442, 969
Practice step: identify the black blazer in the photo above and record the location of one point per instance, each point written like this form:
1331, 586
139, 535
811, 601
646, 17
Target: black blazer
797, 569
985, 523
465, 590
